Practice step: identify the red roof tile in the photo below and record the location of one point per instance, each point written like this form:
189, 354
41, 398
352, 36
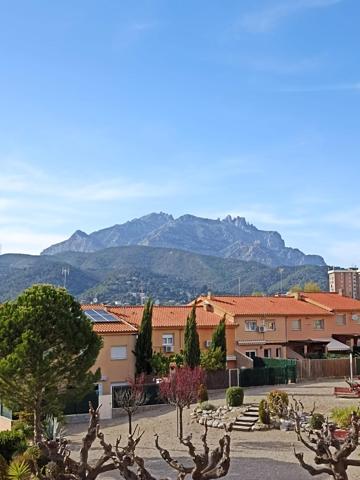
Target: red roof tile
267, 306
114, 327
117, 326
168, 316
332, 301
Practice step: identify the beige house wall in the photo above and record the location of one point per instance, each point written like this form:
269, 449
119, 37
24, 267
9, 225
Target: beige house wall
5, 423
115, 371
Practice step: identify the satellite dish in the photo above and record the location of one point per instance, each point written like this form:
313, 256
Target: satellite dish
95, 300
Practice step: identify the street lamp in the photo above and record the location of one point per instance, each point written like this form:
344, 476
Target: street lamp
281, 280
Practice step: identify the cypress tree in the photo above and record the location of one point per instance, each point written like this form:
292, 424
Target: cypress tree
191, 341
219, 339
143, 347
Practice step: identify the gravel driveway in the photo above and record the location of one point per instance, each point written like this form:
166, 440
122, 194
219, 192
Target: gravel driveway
254, 455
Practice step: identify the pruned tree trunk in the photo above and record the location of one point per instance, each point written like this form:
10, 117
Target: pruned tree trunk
180, 422
37, 422
130, 422
207, 465
329, 453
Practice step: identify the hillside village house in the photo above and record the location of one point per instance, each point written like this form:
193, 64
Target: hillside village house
293, 326
118, 326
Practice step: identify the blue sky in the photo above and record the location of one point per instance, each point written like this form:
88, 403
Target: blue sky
114, 109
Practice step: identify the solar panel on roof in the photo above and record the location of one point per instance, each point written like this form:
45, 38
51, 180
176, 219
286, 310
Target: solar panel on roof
100, 316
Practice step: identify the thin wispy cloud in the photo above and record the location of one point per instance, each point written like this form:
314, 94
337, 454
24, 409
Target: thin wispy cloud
26, 181
340, 87
265, 20
25, 240
284, 66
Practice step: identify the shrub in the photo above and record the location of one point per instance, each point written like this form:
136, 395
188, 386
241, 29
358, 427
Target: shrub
316, 421
278, 401
177, 358
11, 443
203, 393
207, 406
342, 415
264, 412
23, 428
212, 360
234, 396
160, 364
3, 468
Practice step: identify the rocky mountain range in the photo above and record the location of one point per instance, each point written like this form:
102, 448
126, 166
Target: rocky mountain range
126, 274
230, 237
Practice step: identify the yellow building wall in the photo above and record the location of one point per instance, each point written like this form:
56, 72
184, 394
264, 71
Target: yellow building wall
115, 371
178, 335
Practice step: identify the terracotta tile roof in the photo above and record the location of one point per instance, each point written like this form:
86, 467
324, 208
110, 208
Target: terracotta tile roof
92, 306
266, 306
117, 326
168, 316
332, 301
114, 327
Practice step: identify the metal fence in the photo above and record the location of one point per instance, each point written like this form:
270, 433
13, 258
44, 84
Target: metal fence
82, 406
151, 394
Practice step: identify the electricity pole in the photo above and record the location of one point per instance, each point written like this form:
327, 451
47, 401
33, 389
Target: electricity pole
65, 272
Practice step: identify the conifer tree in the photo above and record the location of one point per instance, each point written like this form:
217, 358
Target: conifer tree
143, 347
47, 348
191, 341
219, 340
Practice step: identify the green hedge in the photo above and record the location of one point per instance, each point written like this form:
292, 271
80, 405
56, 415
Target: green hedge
251, 377
12, 442
234, 396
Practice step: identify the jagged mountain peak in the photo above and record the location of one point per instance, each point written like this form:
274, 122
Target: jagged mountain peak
231, 237
79, 234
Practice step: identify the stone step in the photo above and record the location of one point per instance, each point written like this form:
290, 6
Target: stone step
251, 414
240, 428
245, 420
243, 424
253, 409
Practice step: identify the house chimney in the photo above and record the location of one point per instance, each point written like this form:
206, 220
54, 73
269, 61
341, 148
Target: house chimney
209, 295
341, 292
208, 307
297, 295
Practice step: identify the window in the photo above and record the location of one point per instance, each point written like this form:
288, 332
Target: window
341, 319
250, 326
168, 343
168, 339
296, 325
270, 325
267, 352
319, 324
278, 352
251, 354
119, 353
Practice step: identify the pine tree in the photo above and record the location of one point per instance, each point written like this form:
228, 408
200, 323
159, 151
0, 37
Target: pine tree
219, 339
191, 341
47, 348
143, 347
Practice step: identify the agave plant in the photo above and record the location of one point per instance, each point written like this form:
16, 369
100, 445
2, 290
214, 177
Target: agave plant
52, 428
19, 470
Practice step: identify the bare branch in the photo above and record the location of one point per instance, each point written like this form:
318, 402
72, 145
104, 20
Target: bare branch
312, 470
